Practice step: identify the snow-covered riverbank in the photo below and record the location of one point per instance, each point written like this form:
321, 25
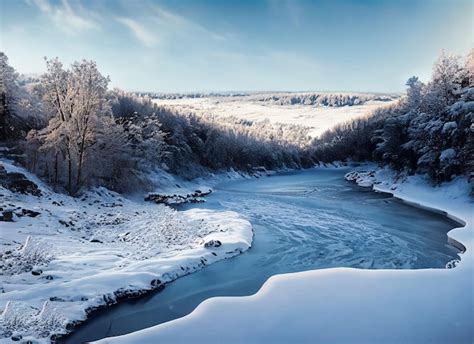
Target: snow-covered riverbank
77, 254
348, 305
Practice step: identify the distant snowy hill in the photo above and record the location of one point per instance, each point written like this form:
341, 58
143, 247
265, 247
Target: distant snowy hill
318, 111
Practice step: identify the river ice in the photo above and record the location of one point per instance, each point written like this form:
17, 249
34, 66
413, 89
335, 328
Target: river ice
314, 219
302, 220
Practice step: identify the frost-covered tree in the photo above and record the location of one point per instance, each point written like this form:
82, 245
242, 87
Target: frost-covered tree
194, 143
146, 139
88, 109
469, 66
76, 102
446, 82
8, 95
414, 93
18, 108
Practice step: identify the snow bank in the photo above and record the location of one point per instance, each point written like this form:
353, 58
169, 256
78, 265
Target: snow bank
347, 305
82, 253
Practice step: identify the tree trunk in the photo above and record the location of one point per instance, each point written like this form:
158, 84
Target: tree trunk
81, 154
3, 117
79, 169
55, 181
69, 171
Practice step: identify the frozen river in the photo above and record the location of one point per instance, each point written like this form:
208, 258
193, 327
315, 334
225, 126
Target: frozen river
302, 220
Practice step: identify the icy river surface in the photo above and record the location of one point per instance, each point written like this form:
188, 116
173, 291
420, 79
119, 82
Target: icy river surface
303, 220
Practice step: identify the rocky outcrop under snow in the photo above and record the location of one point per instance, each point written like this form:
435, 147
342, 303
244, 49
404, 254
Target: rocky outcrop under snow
361, 178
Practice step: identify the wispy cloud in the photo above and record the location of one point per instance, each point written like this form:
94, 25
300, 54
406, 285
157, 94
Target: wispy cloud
292, 10
183, 25
147, 38
65, 17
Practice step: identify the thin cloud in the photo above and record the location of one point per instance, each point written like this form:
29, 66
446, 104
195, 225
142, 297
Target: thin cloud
183, 25
293, 10
146, 37
65, 17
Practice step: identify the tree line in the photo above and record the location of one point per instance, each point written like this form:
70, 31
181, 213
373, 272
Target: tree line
76, 132
84, 134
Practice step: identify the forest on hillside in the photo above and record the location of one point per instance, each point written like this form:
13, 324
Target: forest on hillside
75, 132
430, 130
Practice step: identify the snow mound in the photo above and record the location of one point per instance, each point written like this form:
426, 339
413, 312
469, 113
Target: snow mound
362, 178
447, 155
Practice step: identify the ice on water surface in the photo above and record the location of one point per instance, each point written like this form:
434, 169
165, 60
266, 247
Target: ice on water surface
302, 220
317, 221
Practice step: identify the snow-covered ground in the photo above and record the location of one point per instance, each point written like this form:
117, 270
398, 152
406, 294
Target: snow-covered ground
318, 118
82, 253
345, 305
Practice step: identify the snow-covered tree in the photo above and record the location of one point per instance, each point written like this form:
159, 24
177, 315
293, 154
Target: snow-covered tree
77, 105
195, 143
469, 66
414, 93
446, 82
9, 92
19, 108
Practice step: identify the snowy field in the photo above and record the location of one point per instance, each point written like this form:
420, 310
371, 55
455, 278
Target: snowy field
318, 118
342, 305
81, 253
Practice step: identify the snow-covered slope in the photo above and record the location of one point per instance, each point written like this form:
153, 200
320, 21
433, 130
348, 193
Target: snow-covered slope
318, 118
345, 305
81, 253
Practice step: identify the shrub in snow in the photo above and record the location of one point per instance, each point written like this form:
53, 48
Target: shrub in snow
17, 316
33, 253
36, 252
51, 319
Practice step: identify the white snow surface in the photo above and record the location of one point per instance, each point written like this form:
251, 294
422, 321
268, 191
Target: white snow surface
93, 249
345, 305
317, 118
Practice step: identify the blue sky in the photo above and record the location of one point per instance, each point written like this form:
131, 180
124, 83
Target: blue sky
205, 45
